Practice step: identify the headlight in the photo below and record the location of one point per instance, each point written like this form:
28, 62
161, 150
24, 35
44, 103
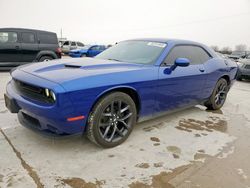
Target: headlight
50, 94
53, 95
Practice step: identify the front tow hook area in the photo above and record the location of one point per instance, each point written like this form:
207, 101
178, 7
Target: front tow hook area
11, 104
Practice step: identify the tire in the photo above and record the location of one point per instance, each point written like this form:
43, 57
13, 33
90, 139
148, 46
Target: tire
108, 128
45, 58
83, 55
218, 97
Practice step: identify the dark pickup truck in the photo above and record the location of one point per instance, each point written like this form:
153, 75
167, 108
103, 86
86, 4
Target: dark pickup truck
20, 46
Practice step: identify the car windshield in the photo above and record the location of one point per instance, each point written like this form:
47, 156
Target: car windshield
142, 52
86, 47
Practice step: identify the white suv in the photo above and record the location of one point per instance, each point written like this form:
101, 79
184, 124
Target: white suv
70, 45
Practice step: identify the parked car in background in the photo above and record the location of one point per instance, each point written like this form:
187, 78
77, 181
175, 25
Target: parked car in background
20, 46
87, 51
244, 68
222, 55
107, 95
236, 55
71, 45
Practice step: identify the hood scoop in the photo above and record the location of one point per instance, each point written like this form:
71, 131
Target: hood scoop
73, 66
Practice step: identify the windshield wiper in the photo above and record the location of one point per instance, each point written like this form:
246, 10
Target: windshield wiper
114, 59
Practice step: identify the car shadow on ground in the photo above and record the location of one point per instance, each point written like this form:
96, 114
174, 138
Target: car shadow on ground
69, 142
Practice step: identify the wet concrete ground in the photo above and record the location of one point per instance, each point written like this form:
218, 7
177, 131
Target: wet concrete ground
190, 148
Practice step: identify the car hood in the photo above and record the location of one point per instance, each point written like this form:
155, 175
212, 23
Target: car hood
65, 70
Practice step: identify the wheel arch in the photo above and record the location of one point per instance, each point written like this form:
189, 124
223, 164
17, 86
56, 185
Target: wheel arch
124, 89
227, 78
46, 53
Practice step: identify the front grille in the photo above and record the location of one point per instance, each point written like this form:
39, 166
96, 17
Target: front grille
247, 67
31, 91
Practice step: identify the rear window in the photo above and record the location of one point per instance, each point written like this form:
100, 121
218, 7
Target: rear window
66, 43
47, 38
80, 44
8, 37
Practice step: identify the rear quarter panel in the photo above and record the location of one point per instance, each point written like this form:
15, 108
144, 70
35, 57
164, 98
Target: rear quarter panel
215, 69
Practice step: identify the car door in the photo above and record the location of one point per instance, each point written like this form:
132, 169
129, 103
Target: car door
9, 48
73, 46
182, 86
29, 46
93, 51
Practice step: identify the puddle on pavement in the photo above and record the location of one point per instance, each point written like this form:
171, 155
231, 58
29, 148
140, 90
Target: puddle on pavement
199, 156
155, 139
142, 165
80, 183
157, 144
3, 111
156, 126
201, 151
174, 149
1, 178
161, 180
214, 123
157, 165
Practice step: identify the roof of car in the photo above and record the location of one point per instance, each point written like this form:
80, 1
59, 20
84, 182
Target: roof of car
167, 40
24, 29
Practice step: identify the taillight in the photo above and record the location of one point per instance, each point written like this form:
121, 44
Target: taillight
59, 50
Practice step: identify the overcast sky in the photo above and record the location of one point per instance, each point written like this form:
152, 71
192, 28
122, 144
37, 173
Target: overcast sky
213, 22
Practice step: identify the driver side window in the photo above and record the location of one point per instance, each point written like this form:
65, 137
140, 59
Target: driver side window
195, 54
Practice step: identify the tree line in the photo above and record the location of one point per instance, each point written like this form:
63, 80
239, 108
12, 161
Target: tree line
228, 50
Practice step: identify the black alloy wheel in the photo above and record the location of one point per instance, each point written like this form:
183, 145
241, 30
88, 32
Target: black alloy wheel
112, 120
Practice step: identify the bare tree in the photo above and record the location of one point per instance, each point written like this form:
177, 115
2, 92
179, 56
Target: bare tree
241, 47
226, 50
215, 48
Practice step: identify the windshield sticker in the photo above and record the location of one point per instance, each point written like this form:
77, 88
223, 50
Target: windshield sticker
157, 44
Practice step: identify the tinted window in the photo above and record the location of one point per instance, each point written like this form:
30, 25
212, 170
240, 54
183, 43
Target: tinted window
95, 48
8, 37
203, 55
66, 43
73, 44
47, 38
80, 44
195, 54
28, 38
143, 52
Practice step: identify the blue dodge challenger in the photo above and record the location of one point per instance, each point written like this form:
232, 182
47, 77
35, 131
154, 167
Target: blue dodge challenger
105, 96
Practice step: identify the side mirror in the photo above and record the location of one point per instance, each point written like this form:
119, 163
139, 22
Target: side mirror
179, 62
182, 62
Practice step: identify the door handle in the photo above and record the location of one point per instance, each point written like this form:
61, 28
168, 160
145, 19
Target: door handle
201, 69
17, 47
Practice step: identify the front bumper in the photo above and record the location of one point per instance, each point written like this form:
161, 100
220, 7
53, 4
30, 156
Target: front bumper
50, 118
